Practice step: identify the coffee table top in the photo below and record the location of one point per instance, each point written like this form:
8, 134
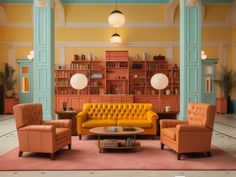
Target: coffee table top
116, 131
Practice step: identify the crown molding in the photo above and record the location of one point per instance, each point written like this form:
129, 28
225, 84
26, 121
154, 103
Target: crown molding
128, 44
106, 25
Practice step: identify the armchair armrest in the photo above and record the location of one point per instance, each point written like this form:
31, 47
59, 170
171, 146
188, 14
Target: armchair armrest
193, 138
39, 128
168, 123
151, 116
191, 128
63, 123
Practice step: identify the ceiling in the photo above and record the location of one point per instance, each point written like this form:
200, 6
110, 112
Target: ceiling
113, 1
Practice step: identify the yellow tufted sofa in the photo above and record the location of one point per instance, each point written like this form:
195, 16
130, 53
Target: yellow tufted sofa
116, 114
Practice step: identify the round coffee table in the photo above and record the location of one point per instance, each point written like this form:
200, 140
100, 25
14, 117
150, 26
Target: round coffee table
128, 133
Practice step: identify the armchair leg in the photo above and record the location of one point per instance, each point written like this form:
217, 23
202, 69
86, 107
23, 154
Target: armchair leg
80, 137
178, 156
208, 153
52, 156
20, 154
69, 146
162, 146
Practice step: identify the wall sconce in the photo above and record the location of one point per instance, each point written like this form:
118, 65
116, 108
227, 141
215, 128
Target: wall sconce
203, 55
31, 55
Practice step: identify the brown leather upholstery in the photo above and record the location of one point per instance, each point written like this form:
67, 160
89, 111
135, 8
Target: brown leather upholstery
193, 135
36, 135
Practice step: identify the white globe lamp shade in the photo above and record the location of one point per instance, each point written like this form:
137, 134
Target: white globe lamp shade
204, 57
116, 39
32, 52
202, 52
116, 18
30, 57
159, 81
79, 81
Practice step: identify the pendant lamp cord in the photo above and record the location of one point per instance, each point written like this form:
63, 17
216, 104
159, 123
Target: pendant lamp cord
116, 4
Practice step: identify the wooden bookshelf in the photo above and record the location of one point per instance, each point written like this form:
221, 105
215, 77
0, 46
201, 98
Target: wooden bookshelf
117, 79
142, 71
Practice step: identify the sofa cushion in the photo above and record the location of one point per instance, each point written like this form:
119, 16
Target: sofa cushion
169, 132
114, 111
135, 123
62, 133
98, 123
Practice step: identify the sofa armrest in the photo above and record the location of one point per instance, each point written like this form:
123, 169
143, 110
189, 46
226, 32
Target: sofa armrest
63, 123
168, 123
80, 118
39, 128
151, 116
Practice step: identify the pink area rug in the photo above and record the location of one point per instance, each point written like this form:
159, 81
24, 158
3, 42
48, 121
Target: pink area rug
85, 156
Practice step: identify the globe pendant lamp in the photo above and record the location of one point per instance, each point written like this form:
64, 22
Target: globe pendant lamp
116, 18
116, 39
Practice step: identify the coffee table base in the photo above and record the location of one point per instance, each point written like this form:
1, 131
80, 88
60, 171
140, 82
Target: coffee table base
121, 144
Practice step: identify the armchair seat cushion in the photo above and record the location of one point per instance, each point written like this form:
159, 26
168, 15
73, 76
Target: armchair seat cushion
98, 123
135, 123
169, 132
62, 133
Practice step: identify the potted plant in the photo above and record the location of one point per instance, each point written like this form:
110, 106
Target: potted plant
227, 81
7, 80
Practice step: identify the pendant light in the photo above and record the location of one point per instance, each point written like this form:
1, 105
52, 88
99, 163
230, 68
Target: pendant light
116, 39
116, 18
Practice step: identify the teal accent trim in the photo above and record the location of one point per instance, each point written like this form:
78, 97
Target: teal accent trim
190, 56
113, 1
44, 58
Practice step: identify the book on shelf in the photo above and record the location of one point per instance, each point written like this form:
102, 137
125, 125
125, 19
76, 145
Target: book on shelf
109, 143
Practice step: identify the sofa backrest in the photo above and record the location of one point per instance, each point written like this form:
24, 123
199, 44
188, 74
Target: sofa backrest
28, 114
201, 114
115, 111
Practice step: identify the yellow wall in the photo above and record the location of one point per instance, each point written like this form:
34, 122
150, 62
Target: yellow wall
20, 31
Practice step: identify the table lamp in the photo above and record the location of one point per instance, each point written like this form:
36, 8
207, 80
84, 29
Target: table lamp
159, 81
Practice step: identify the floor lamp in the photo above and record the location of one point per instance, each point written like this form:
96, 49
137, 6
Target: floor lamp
159, 81
79, 81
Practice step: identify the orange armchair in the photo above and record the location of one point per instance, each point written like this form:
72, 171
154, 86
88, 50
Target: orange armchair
193, 135
36, 135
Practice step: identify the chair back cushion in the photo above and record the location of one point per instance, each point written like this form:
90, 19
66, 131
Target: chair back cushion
115, 111
201, 114
28, 114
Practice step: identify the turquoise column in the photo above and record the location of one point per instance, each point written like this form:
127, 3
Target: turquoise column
190, 54
44, 56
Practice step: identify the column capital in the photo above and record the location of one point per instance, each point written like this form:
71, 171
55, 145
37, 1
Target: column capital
192, 3
43, 3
